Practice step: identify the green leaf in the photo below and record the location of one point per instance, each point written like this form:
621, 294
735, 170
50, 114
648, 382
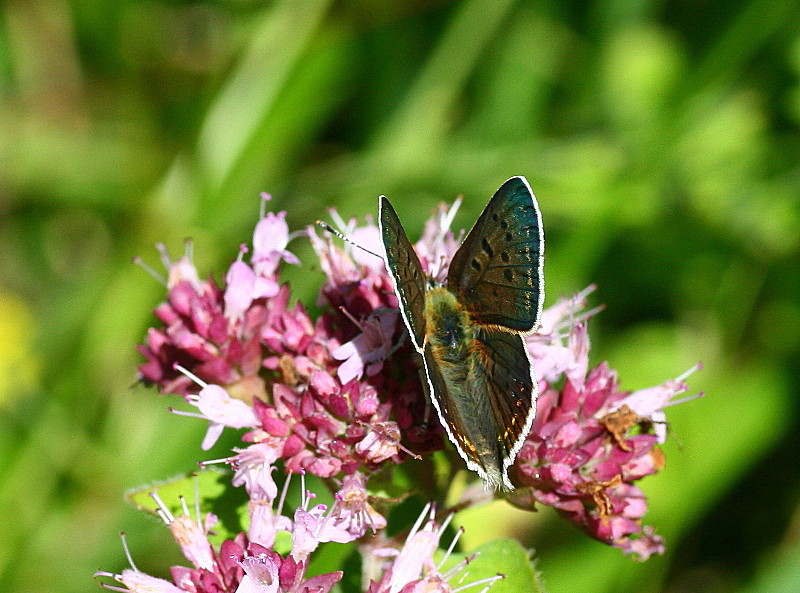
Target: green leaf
501, 556
204, 483
207, 489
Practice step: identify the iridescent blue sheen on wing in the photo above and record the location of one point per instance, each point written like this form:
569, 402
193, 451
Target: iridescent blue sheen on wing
497, 271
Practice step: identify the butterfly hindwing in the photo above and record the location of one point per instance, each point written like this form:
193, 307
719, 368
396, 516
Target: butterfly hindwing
497, 271
465, 413
503, 365
405, 270
487, 405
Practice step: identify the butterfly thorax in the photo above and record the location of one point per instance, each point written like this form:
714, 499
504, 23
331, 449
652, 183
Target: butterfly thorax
448, 326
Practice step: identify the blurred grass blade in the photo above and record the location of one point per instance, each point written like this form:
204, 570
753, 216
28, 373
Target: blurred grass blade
422, 119
277, 43
748, 32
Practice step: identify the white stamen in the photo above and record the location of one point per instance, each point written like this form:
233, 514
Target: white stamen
112, 587
165, 514
127, 551
184, 413
283, 494
448, 219
150, 270
490, 580
420, 519
197, 503
450, 547
689, 371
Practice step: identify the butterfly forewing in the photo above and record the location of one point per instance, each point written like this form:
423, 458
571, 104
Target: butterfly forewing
497, 271
405, 270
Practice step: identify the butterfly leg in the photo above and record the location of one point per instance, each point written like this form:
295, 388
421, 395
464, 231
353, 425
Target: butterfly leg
426, 389
396, 347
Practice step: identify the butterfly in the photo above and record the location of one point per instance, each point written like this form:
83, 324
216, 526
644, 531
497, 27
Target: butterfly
469, 329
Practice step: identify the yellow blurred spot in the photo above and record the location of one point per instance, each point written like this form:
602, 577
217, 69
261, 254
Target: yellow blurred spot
19, 368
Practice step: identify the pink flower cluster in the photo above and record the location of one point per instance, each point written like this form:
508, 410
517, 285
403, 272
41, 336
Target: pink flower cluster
243, 565
412, 569
312, 391
340, 395
248, 563
590, 442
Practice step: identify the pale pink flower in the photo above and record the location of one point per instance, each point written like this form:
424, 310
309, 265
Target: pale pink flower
253, 467
338, 265
381, 442
220, 409
243, 286
261, 575
561, 343
437, 245
270, 239
264, 522
134, 580
352, 512
367, 351
190, 534
181, 270
268, 572
348, 519
139, 582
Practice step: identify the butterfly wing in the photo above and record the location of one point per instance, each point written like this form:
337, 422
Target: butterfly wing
503, 365
405, 271
464, 413
488, 405
497, 272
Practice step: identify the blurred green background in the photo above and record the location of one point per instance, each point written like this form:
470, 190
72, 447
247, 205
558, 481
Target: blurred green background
661, 139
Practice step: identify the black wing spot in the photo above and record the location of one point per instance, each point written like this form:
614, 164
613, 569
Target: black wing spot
508, 274
496, 217
487, 248
503, 223
474, 263
509, 237
505, 257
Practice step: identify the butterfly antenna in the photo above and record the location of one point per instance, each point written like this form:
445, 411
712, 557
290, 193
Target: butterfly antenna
332, 230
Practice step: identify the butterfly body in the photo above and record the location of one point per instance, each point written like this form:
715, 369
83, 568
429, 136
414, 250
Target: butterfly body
452, 342
468, 331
